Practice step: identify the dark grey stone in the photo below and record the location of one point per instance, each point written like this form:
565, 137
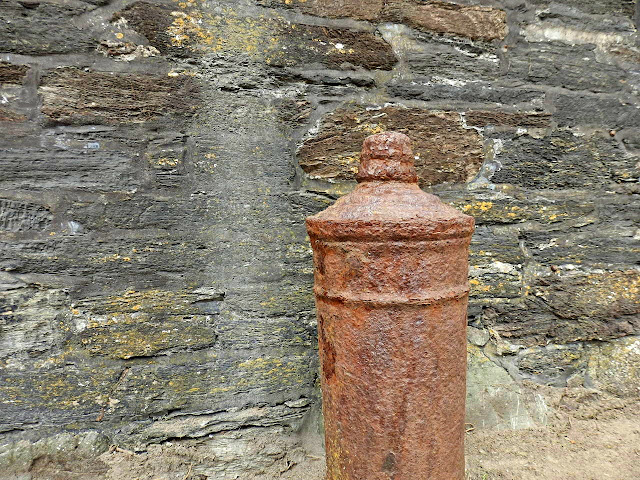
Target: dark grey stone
42, 28
574, 67
563, 160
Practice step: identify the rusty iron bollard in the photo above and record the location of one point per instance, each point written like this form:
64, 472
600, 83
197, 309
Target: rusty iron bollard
391, 286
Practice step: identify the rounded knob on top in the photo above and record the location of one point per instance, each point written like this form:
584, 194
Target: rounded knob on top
387, 157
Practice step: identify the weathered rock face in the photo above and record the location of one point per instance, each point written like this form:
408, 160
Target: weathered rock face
73, 97
474, 22
446, 151
44, 28
157, 162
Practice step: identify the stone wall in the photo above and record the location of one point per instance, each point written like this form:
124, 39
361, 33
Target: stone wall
157, 161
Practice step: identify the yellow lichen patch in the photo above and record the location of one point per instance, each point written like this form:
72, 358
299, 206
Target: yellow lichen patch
270, 302
288, 298
270, 367
478, 288
217, 33
259, 363
352, 162
506, 212
162, 162
186, 3
370, 128
566, 145
247, 374
151, 301
112, 258
245, 35
128, 344
598, 294
551, 213
58, 359
142, 334
615, 287
615, 366
55, 391
477, 207
475, 355
220, 389
187, 28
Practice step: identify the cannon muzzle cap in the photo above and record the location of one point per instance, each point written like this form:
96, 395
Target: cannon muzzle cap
387, 157
387, 204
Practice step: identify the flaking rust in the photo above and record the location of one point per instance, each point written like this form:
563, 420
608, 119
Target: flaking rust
391, 286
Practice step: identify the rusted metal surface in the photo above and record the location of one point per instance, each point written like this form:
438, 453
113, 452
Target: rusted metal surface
391, 293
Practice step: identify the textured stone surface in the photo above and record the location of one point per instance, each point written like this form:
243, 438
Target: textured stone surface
615, 366
157, 160
553, 365
71, 96
7, 115
12, 74
43, 28
522, 120
609, 112
272, 40
495, 400
570, 307
457, 89
445, 151
454, 63
21, 216
75, 454
474, 22
152, 20
564, 160
333, 8
605, 7
574, 67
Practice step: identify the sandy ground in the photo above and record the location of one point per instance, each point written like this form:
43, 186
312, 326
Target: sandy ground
595, 449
